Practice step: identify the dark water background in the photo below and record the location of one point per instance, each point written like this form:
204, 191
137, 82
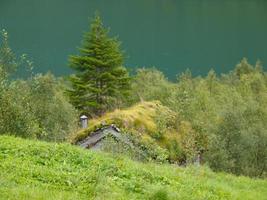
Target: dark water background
171, 35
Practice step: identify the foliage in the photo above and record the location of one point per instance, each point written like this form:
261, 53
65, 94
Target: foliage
149, 125
139, 117
150, 84
101, 80
221, 118
56, 117
37, 108
34, 107
39, 170
139, 151
8, 62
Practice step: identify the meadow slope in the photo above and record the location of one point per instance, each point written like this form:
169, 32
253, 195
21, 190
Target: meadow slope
39, 170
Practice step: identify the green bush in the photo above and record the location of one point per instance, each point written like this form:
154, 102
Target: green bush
37, 108
160, 194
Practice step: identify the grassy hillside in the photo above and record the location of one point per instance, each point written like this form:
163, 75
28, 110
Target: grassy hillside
39, 170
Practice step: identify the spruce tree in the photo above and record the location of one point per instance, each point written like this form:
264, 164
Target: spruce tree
101, 78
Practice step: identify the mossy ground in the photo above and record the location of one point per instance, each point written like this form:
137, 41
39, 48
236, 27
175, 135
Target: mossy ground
40, 170
140, 119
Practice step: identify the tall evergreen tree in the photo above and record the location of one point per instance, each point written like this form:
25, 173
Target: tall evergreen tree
101, 78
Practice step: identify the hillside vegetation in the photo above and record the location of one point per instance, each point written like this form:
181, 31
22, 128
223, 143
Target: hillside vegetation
33, 105
225, 115
142, 118
220, 119
40, 170
149, 124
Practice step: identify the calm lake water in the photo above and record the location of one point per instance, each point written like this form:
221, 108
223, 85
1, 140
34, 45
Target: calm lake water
171, 35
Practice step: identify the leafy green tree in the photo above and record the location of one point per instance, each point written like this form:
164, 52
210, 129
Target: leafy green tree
211, 80
221, 117
34, 107
101, 78
150, 84
8, 62
243, 68
50, 107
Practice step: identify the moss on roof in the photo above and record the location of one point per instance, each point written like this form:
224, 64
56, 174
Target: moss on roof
140, 118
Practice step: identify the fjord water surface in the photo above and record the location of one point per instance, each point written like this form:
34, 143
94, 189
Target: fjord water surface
171, 35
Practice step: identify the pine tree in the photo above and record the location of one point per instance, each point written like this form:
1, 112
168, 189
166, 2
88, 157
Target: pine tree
101, 78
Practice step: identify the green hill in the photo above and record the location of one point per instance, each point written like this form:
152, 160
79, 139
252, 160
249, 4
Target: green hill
40, 170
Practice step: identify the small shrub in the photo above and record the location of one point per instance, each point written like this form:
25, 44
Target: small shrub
160, 194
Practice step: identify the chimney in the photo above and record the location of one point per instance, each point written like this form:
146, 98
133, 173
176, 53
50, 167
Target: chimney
84, 121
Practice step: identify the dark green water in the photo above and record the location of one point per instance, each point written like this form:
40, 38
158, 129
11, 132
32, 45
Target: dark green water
170, 34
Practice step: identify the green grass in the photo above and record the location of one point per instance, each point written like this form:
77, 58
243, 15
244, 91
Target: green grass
40, 170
